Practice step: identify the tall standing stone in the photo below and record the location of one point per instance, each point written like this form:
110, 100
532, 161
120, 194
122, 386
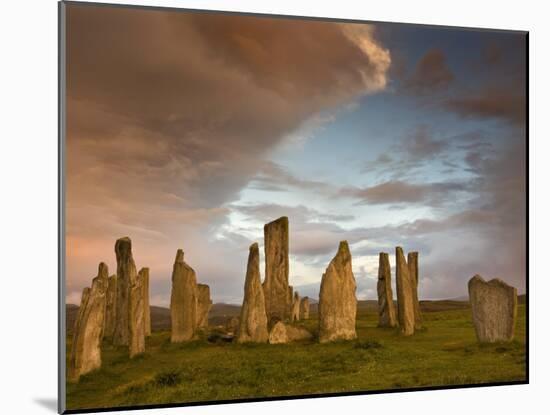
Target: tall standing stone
304, 308
110, 308
204, 303
137, 314
144, 272
183, 301
386, 309
405, 302
275, 285
126, 275
295, 314
253, 321
86, 348
337, 301
289, 300
412, 260
494, 309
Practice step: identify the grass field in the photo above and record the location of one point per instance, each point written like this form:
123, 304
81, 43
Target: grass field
444, 353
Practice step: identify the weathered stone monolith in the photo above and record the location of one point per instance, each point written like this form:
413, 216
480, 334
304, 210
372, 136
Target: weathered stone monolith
146, 306
204, 303
275, 285
405, 303
412, 260
290, 300
86, 348
494, 309
126, 275
183, 301
304, 308
137, 314
337, 301
110, 308
253, 321
386, 309
295, 314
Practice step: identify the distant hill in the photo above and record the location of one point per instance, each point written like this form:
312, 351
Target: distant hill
221, 312
160, 316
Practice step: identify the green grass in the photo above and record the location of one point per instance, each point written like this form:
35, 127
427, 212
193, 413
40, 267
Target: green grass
444, 353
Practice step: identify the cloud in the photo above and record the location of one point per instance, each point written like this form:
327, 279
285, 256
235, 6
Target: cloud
431, 73
408, 156
273, 177
503, 103
395, 192
170, 115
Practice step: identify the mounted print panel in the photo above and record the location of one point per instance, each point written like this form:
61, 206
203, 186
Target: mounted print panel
265, 207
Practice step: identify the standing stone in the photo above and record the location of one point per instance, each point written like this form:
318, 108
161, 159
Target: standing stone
337, 301
110, 308
146, 306
295, 315
275, 285
405, 302
494, 309
137, 314
290, 300
412, 260
83, 301
183, 301
253, 321
86, 348
204, 303
126, 275
386, 309
304, 308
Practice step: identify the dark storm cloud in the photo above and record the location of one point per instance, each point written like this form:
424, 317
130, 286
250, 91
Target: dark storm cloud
431, 73
169, 116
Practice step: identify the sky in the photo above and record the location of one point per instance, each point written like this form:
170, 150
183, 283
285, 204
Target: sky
193, 130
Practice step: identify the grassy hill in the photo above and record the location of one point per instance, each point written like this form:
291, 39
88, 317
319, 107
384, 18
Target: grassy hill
444, 353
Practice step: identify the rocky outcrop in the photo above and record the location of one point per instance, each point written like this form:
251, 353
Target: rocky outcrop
110, 308
137, 314
295, 314
386, 309
304, 308
126, 277
412, 260
285, 333
405, 302
253, 321
275, 285
337, 301
494, 309
183, 301
277, 335
204, 303
88, 331
146, 306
